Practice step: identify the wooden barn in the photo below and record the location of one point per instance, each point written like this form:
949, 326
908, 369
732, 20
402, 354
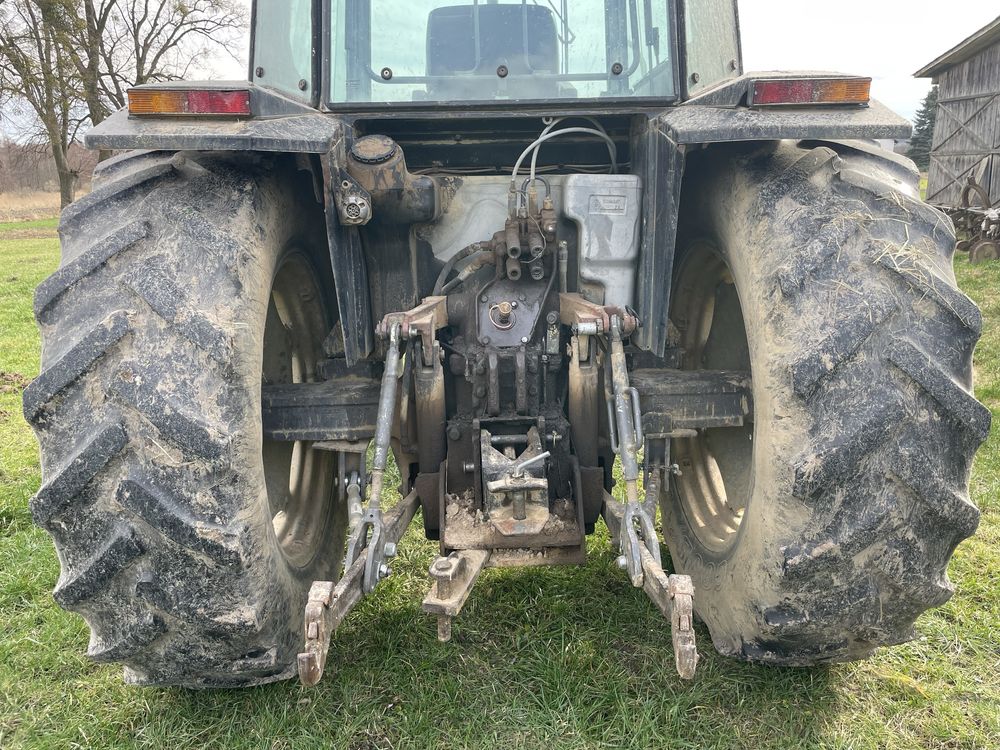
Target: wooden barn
967, 132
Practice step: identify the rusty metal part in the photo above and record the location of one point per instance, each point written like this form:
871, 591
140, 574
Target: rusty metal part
983, 251
517, 498
502, 315
673, 594
974, 188
583, 315
330, 603
453, 578
424, 320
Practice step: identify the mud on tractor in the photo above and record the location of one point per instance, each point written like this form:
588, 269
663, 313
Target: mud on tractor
530, 250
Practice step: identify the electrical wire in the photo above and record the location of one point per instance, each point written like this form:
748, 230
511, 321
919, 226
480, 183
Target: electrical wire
555, 134
613, 150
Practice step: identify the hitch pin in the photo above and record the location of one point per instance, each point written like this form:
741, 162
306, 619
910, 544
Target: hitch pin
519, 469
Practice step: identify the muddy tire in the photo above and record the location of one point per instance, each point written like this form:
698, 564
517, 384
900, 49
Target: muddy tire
166, 505
822, 530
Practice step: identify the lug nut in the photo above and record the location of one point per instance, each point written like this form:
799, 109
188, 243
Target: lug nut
622, 562
384, 571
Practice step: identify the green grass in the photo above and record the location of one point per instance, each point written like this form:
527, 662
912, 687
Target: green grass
6, 226
557, 658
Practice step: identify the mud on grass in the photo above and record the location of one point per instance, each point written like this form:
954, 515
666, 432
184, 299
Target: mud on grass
562, 658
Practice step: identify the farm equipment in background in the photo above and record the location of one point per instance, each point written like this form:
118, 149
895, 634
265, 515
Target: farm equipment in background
977, 223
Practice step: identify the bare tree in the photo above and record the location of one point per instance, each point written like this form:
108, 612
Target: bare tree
117, 44
35, 67
74, 60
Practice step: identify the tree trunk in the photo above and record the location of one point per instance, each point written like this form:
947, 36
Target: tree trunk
67, 187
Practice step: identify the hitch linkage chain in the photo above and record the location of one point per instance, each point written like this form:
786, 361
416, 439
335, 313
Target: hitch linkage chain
373, 541
638, 542
375, 565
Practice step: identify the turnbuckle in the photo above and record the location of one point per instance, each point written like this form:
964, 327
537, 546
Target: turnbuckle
370, 532
632, 524
625, 425
373, 538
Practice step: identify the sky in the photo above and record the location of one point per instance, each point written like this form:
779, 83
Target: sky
887, 40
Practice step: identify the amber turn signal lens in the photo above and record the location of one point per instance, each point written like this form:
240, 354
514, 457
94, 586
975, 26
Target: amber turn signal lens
204, 102
786, 91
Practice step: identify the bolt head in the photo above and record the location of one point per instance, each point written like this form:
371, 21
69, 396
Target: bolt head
622, 562
390, 549
384, 571
524, 339
442, 565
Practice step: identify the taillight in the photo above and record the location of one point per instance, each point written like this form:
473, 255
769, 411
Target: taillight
204, 102
778, 91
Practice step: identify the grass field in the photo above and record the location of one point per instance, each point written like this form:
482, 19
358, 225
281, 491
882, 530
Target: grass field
550, 659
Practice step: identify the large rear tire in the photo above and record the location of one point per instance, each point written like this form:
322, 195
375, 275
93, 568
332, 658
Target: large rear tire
824, 528
187, 541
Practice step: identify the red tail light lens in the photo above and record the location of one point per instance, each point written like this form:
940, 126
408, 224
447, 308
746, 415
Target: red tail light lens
789, 91
204, 102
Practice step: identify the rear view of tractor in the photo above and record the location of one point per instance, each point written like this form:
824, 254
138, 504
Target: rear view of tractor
531, 251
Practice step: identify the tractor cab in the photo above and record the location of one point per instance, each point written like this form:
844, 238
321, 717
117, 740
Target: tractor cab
430, 53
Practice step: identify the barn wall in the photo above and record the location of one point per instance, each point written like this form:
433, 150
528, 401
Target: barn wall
967, 93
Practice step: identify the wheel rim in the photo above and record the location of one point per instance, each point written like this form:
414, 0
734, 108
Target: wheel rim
299, 477
716, 479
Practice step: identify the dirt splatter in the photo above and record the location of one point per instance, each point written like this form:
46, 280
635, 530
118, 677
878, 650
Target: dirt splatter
12, 382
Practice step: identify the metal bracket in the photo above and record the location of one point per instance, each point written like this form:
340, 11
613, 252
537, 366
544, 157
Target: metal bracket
453, 576
424, 320
588, 318
375, 566
637, 536
330, 603
673, 594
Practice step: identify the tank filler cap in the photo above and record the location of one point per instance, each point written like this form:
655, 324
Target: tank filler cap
374, 149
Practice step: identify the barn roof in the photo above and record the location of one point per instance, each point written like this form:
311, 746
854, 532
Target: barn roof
985, 37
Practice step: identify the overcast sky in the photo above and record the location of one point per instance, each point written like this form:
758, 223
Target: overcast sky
888, 40
885, 39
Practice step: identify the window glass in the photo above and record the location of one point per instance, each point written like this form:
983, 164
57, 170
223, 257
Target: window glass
711, 43
434, 50
283, 53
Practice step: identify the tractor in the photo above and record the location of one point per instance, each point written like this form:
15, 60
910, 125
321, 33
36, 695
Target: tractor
562, 265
